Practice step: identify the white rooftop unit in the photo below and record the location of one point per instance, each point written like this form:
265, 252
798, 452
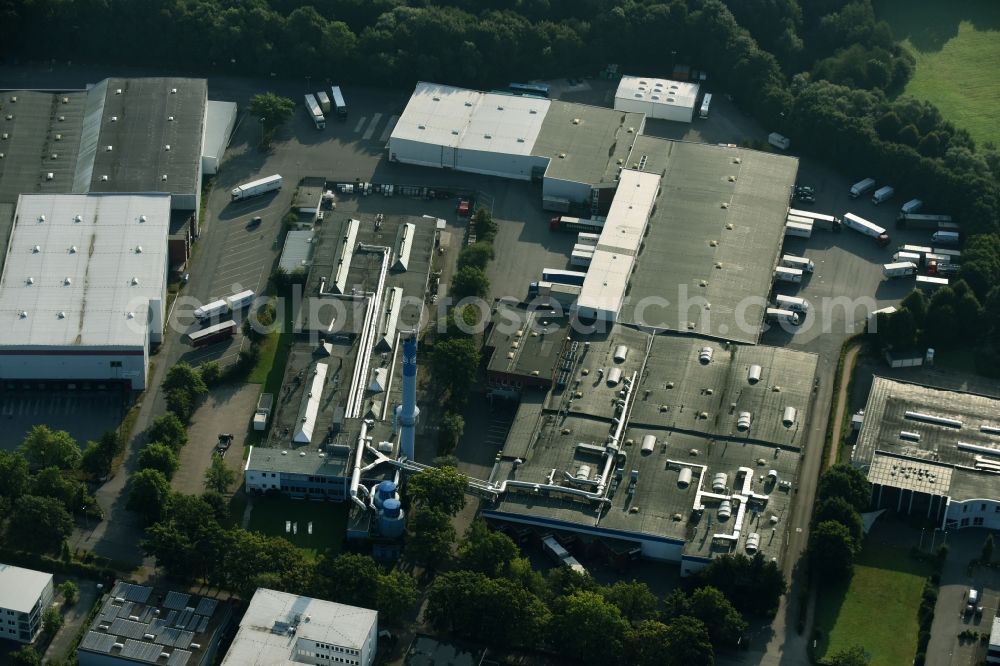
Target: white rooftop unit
310, 406
657, 98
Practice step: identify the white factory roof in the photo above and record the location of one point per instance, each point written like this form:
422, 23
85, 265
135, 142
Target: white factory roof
658, 91
20, 588
310, 405
607, 277
471, 120
81, 269
263, 636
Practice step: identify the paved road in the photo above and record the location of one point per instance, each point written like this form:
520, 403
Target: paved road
73, 618
850, 356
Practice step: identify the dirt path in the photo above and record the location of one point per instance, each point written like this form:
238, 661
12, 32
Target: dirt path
850, 357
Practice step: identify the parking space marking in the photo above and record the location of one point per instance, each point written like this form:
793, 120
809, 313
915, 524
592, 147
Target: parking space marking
389, 126
371, 127
361, 123
241, 244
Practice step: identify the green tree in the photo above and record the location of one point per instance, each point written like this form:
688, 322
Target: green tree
439, 488
355, 579
39, 524
184, 377
839, 509
51, 621
69, 591
455, 363
149, 495
986, 554
180, 404
486, 228
270, 109
188, 541
916, 303
688, 643
431, 536
15, 475
25, 655
44, 447
168, 429
218, 476
160, 457
634, 600
846, 481
96, 460
587, 628
476, 255
53, 482
450, 431
211, 372
469, 282
852, 656
832, 550
646, 644
485, 551
753, 584
724, 623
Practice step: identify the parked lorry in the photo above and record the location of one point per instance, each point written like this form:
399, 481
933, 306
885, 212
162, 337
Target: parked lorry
215, 333
315, 112
882, 194
928, 283
863, 226
779, 141
899, 269
240, 300
324, 101
861, 187
791, 261
581, 258
819, 220
942, 268
798, 229
911, 206
945, 237
563, 277
210, 310
926, 221
339, 105
257, 187
780, 315
592, 225
908, 256
793, 303
788, 274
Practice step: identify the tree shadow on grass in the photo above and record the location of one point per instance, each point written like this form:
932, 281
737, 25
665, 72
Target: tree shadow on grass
929, 25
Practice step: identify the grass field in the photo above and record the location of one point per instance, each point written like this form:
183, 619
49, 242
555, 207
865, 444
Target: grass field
877, 609
957, 48
329, 522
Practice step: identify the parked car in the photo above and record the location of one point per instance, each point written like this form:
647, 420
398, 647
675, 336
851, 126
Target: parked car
255, 222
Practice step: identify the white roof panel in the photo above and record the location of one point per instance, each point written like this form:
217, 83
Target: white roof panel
310, 405
658, 91
471, 120
20, 588
81, 269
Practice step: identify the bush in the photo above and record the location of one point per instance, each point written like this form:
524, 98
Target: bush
211, 373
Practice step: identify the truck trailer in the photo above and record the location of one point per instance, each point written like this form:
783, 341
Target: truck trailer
798, 229
861, 187
928, 283
899, 269
791, 261
793, 303
945, 237
926, 221
215, 333
210, 310
324, 101
257, 187
778, 314
911, 206
788, 274
560, 276
825, 222
315, 112
576, 224
863, 226
779, 141
240, 300
340, 107
882, 194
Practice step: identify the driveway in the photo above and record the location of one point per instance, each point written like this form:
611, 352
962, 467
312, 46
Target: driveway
73, 619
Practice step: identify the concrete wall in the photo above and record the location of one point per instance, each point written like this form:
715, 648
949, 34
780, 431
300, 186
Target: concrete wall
516, 167
680, 114
60, 364
566, 189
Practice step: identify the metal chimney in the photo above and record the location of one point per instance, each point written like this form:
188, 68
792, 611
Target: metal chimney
408, 412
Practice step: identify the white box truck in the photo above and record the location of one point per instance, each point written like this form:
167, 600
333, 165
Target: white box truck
908, 256
777, 314
315, 112
882, 194
926, 221
581, 259
798, 229
257, 187
945, 237
863, 226
861, 187
788, 274
791, 261
793, 303
240, 300
911, 206
213, 309
779, 141
899, 269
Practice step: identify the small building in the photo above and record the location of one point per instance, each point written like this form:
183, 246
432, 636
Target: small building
523, 347
657, 98
137, 624
281, 628
24, 596
298, 474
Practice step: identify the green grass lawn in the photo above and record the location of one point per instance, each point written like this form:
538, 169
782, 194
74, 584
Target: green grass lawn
877, 609
329, 522
957, 48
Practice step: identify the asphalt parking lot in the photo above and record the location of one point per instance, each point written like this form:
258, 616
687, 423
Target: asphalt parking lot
84, 414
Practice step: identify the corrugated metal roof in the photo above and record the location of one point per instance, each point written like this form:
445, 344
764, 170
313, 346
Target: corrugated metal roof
297, 252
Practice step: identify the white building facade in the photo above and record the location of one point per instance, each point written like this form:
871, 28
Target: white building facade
24, 596
657, 98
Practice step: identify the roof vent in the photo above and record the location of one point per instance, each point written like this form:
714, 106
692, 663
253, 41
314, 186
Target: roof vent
454, 132
173, 91
67, 281
61, 315
166, 147
135, 281
65, 100
562, 156
23, 314
13, 99
436, 98
487, 136
284, 453
30, 280
520, 139
1, 156
114, 119
130, 315
55, 155
302, 454
58, 137
118, 91
72, 249
49, 176
576, 121
109, 148
41, 218
104, 178
468, 103
499, 108
78, 218
421, 127
7, 136
532, 111
170, 119
36, 249
10, 116
142, 218
62, 118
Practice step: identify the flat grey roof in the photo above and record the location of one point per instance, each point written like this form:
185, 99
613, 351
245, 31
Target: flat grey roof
306, 462
38, 117
590, 139
930, 441
139, 157
525, 342
718, 255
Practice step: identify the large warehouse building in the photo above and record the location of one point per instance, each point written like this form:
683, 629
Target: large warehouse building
83, 289
575, 150
657, 98
933, 453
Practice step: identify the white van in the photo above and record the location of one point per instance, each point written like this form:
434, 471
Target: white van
792, 303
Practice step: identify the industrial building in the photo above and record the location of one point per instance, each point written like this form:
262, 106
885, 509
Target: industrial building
665, 447
303, 474
83, 289
523, 348
573, 149
933, 453
24, 596
137, 624
657, 98
281, 628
